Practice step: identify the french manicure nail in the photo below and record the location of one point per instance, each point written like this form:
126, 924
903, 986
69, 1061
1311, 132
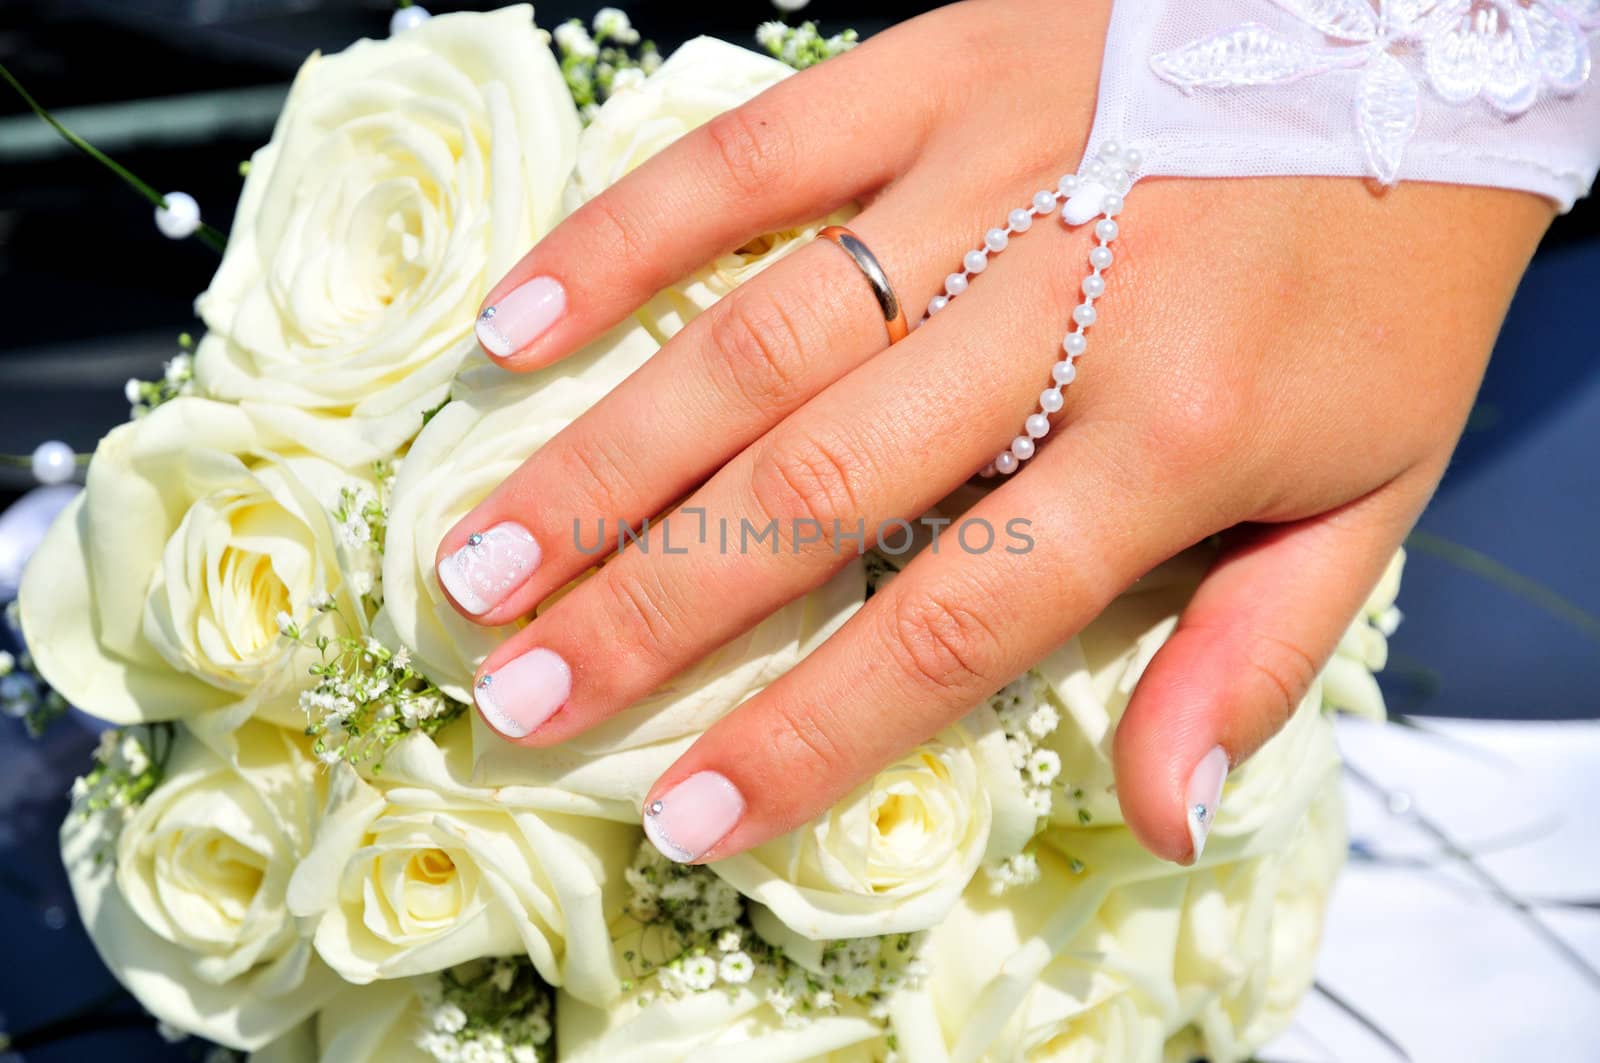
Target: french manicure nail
524, 692
686, 821
490, 565
1205, 792
522, 316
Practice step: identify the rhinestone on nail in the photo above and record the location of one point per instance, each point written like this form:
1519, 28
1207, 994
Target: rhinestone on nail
655, 808
1201, 813
475, 539
485, 681
488, 312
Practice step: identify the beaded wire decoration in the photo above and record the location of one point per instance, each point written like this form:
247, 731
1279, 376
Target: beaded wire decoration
1096, 192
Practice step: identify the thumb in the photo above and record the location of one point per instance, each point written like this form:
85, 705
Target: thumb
1247, 648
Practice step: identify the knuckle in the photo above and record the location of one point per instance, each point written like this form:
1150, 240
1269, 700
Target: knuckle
805, 477
753, 151
638, 614
601, 473
1197, 426
940, 644
622, 232
761, 347
1279, 672
803, 743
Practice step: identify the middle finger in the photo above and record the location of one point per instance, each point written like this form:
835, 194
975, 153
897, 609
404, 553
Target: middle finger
885, 443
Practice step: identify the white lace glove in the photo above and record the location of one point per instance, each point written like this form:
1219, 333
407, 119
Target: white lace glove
1484, 92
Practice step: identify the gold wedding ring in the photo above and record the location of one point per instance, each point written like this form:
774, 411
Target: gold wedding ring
894, 315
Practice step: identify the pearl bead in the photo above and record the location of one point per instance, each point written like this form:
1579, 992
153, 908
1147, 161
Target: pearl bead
1094, 286
1075, 344
1063, 373
1022, 447
976, 261
1107, 230
1084, 315
1101, 258
987, 472
1068, 185
937, 303
1050, 400
1021, 220
1096, 168
1111, 205
955, 284
1122, 182
1037, 426
407, 18
1110, 149
180, 218
996, 239
1006, 464
1132, 159
54, 462
1044, 202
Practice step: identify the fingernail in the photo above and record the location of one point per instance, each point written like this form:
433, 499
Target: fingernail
489, 566
522, 316
524, 692
687, 820
1205, 792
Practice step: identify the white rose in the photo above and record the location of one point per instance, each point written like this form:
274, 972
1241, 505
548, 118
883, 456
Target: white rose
727, 1025
895, 855
1048, 972
1251, 932
190, 915
157, 593
466, 450
416, 871
1091, 959
701, 80
1348, 682
404, 178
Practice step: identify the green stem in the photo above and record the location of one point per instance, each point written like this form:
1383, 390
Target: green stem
212, 237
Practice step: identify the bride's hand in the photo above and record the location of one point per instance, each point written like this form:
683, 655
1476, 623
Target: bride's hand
1291, 359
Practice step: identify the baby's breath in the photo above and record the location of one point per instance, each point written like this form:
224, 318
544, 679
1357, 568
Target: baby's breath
129, 764
702, 924
608, 61
367, 697
25, 696
803, 45
361, 523
492, 1010
176, 379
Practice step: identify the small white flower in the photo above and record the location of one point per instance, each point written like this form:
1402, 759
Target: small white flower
1043, 766
286, 624
770, 34
524, 1054
573, 39
699, 972
614, 24
1043, 721
402, 658
729, 941
736, 968
133, 391
822, 999
449, 1018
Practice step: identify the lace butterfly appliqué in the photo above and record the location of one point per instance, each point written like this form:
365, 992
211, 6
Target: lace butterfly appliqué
1508, 53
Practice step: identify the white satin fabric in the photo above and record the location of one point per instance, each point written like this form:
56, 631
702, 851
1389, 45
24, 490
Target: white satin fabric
1482, 92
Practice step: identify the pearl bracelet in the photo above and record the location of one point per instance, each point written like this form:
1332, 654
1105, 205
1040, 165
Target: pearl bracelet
1097, 192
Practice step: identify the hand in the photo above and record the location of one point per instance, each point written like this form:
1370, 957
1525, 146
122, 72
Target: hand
1286, 361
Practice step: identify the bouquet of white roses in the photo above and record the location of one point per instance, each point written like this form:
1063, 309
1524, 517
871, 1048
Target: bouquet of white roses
299, 842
